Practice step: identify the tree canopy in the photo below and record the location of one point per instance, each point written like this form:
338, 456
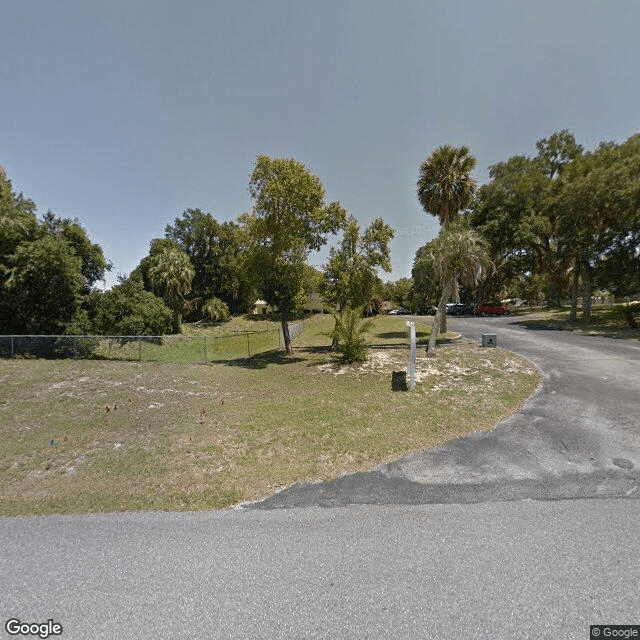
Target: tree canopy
47, 267
289, 219
445, 185
562, 218
350, 275
217, 252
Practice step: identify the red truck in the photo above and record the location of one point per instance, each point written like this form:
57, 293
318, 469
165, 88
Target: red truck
491, 310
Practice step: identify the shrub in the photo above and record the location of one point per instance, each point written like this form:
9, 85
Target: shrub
215, 310
130, 310
349, 335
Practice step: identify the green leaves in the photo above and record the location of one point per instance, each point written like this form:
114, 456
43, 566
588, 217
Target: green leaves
562, 216
215, 310
349, 335
445, 185
350, 276
218, 254
289, 207
289, 219
128, 310
42, 287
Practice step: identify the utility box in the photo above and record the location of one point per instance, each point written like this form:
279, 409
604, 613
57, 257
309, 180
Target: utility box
489, 340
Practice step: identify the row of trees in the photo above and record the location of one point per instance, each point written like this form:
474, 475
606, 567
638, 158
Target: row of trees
562, 220
540, 229
201, 268
48, 268
202, 264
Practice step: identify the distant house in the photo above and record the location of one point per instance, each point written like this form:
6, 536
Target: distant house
314, 304
386, 307
260, 308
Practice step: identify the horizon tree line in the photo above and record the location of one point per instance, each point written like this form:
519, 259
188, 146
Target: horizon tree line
553, 225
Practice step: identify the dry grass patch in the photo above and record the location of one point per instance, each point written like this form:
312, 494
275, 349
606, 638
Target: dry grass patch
113, 436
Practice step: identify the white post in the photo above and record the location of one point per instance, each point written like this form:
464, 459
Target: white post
412, 356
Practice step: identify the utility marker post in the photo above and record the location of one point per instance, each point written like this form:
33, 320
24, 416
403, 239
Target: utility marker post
412, 356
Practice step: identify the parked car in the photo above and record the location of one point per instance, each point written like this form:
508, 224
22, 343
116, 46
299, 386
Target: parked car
427, 311
460, 309
398, 312
491, 310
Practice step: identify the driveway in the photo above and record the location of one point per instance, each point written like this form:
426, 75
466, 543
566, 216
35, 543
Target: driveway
577, 437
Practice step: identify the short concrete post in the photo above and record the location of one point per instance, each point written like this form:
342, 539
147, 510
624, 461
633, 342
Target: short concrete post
489, 340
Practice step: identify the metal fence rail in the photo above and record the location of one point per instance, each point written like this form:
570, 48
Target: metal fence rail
178, 349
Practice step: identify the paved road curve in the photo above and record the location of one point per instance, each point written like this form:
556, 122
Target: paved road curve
578, 437
475, 566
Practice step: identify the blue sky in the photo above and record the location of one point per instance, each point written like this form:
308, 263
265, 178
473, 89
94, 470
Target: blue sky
125, 113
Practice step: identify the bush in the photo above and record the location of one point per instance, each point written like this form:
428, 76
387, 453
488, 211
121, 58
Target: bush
129, 310
215, 310
349, 335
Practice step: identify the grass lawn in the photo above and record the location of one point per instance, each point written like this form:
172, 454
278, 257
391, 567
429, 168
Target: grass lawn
605, 321
92, 436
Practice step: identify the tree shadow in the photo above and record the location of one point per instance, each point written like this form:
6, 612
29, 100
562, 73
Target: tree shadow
401, 335
536, 326
392, 335
260, 317
261, 360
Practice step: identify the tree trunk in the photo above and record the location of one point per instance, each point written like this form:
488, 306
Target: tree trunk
574, 292
554, 295
334, 339
586, 296
287, 336
628, 314
441, 315
177, 321
456, 291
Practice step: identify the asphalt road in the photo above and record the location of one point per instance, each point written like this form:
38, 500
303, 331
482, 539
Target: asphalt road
497, 570
499, 556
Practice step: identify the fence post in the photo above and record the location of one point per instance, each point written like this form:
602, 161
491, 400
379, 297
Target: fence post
248, 346
75, 347
206, 360
139, 349
12, 351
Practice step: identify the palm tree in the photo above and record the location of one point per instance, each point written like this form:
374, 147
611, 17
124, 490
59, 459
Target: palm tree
458, 254
171, 274
445, 185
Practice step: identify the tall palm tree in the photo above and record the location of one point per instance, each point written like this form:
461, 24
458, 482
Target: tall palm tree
171, 274
458, 254
445, 185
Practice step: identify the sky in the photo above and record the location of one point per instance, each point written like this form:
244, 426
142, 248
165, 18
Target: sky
125, 113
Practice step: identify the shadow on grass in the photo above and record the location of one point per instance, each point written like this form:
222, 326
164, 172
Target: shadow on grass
392, 335
261, 360
402, 335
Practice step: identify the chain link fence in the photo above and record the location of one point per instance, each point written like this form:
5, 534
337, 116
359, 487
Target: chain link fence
178, 349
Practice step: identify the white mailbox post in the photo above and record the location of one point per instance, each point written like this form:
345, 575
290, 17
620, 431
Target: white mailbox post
412, 355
